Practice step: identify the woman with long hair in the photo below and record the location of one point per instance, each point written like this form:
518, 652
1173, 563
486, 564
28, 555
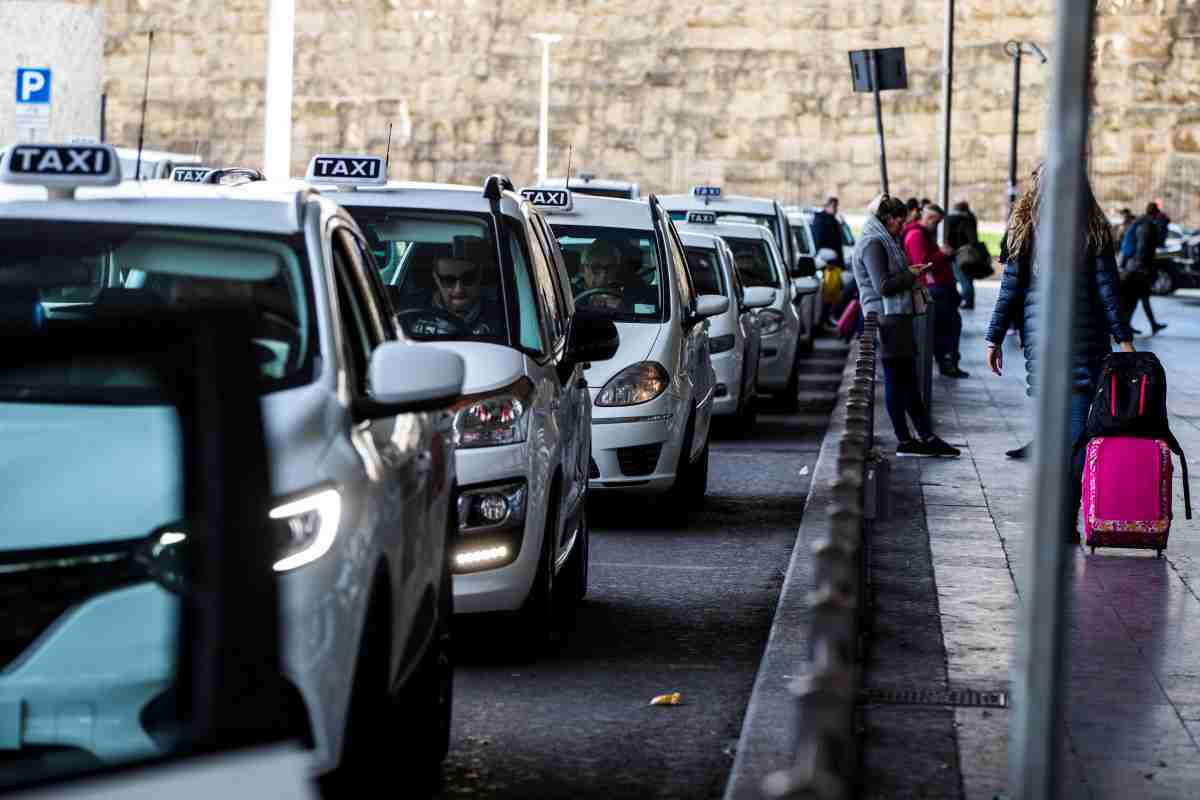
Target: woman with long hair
885, 286
1098, 316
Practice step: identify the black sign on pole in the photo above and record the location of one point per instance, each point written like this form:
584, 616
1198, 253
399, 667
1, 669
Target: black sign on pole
878, 71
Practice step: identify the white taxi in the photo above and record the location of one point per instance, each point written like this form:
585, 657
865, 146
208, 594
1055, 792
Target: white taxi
478, 271
770, 215
652, 404
734, 338
361, 466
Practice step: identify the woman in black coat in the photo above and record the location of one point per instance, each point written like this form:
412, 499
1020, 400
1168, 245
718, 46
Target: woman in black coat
1098, 316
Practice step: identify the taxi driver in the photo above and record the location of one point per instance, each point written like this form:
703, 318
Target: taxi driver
460, 292
599, 268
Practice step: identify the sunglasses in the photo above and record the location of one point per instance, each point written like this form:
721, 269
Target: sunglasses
469, 278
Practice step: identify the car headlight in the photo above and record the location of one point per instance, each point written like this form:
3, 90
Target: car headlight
770, 321
307, 527
493, 419
719, 344
639, 383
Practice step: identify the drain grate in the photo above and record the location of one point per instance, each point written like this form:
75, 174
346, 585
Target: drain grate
933, 697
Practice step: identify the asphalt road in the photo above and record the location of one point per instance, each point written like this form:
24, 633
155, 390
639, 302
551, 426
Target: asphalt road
683, 609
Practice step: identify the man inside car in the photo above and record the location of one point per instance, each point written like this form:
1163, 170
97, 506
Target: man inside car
602, 270
460, 295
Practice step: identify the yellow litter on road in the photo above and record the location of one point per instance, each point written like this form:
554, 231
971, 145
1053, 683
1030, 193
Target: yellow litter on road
672, 699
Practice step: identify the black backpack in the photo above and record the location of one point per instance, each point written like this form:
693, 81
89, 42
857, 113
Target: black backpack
1131, 400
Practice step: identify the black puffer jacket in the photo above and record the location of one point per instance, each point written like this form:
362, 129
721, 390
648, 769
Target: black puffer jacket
1098, 319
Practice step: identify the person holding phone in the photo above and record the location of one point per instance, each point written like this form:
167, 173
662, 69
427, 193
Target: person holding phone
921, 247
885, 284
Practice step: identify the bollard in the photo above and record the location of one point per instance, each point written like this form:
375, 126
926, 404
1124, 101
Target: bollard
819, 703
834, 623
835, 563
809, 778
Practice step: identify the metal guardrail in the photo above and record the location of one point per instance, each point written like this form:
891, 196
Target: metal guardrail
824, 747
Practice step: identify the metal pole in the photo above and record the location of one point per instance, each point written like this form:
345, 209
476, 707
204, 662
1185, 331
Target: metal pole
1041, 645
878, 119
277, 135
1016, 132
546, 39
103, 117
947, 100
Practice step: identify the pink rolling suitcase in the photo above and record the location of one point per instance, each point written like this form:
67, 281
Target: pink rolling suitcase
1127, 493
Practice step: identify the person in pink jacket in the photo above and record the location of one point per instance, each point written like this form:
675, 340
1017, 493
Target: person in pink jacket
920, 246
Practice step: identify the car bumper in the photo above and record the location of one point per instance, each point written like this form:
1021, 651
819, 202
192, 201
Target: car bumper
636, 448
503, 588
775, 361
727, 398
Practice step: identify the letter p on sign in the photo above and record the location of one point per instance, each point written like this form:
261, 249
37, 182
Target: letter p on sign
33, 85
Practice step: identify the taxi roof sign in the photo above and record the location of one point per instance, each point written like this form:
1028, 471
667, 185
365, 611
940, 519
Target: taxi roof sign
61, 167
543, 197
707, 192
702, 218
347, 170
193, 173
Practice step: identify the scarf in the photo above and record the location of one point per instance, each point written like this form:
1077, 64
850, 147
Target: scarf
874, 230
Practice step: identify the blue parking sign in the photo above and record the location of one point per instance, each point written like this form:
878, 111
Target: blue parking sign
33, 85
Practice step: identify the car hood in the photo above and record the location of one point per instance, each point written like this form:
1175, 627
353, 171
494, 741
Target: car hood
99, 473
637, 343
488, 366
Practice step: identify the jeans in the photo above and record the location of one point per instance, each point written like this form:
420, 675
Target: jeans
966, 286
903, 398
947, 323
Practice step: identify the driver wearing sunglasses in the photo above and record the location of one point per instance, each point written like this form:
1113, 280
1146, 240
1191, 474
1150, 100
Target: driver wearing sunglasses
460, 291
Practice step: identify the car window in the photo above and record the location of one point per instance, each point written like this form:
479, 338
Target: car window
614, 271
803, 240
55, 275
558, 266
543, 270
755, 260
706, 270
847, 235
355, 317
532, 330
370, 275
441, 272
683, 275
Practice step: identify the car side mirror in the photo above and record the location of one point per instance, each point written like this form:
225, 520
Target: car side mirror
801, 287
805, 267
405, 378
710, 305
758, 297
592, 337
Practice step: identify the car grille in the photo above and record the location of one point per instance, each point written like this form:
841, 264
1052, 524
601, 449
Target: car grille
640, 460
38, 586
593, 470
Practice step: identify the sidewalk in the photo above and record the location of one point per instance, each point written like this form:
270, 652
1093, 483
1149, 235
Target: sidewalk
945, 577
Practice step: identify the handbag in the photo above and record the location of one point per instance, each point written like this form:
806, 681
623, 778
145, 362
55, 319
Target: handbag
831, 285
974, 261
921, 300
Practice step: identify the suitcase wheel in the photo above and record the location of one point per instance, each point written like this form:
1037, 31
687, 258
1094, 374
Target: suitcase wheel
1158, 553
1093, 549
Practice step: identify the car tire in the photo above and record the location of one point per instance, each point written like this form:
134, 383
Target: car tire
676, 499
537, 617
1164, 282
574, 583
748, 416
789, 399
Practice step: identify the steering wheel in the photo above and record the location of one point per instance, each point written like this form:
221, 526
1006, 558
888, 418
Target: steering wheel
442, 322
603, 290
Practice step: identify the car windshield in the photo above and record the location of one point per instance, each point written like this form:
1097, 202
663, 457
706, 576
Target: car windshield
755, 261
55, 275
614, 271
802, 238
706, 271
768, 221
441, 271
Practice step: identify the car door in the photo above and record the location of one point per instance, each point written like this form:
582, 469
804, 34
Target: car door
696, 360
576, 401
395, 452
747, 321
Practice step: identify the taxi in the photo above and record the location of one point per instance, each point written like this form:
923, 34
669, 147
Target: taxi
652, 404
770, 215
476, 270
361, 466
734, 338
587, 183
759, 263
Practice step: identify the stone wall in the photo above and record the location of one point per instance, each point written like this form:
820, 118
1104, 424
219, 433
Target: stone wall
753, 94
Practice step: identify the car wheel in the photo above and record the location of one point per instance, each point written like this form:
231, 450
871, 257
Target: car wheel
537, 615
789, 400
748, 416
575, 572
676, 498
1164, 281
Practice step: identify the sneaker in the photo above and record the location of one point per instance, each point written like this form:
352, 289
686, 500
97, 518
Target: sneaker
910, 449
1135, 331
1021, 453
1154, 329
936, 447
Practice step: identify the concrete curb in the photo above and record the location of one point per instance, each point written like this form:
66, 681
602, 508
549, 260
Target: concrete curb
765, 743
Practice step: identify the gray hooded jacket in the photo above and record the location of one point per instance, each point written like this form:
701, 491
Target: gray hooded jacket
881, 270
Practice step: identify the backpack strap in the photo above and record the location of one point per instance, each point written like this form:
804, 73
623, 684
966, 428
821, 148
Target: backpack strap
1173, 443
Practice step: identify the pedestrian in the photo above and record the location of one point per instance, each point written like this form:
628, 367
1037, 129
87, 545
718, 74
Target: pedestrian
827, 230
1098, 318
962, 231
913, 210
921, 247
1137, 283
1119, 231
886, 285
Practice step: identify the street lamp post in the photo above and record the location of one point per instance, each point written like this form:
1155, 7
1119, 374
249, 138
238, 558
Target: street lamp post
277, 133
1015, 49
546, 39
